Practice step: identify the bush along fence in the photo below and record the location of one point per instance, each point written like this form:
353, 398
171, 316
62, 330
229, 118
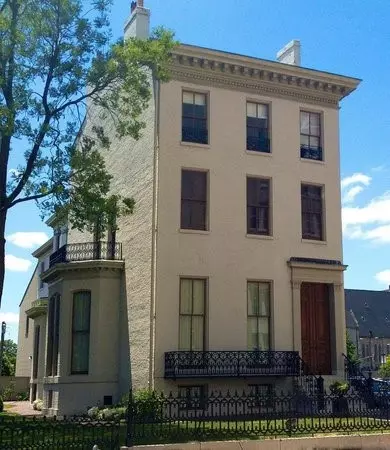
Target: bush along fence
219, 416
81, 433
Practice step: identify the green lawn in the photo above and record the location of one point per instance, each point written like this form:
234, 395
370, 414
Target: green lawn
17, 433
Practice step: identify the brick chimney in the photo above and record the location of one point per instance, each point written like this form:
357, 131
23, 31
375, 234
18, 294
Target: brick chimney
138, 24
290, 53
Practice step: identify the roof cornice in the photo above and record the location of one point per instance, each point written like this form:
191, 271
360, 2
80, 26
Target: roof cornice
43, 248
212, 67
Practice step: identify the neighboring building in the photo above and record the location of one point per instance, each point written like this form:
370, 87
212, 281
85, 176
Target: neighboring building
230, 268
372, 312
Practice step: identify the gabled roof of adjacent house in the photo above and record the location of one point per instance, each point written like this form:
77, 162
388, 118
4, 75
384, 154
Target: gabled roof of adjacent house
28, 286
371, 309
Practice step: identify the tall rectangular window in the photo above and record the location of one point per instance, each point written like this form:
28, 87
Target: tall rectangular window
258, 206
81, 332
258, 298
312, 212
194, 118
27, 326
36, 350
41, 270
192, 314
257, 127
193, 200
53, 336
311, 135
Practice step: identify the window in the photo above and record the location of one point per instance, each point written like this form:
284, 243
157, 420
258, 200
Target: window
258, 294
192, 397
194, 118
193, 200
311, 135
50, 399
27, 326
192, 314
312, 222
81, 332
258, 206
41, 270
36, 350
257, 128
262, 394
53, 334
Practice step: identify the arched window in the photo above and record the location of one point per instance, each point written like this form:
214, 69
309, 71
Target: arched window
81, 332
53, 335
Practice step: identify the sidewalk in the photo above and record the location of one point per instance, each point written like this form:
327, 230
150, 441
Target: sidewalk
22, 408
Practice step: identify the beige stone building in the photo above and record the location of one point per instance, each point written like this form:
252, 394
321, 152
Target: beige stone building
229, 274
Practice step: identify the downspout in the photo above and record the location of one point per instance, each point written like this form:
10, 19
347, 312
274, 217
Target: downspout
152, 338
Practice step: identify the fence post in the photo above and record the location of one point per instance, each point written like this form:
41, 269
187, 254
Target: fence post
130, 420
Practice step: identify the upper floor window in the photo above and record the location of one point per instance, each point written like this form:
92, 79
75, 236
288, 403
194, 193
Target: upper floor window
41, 270
193, 200
81, 332
312, 212
194, 118
257, 127
192, 314
259, 314
311, 135
258, 206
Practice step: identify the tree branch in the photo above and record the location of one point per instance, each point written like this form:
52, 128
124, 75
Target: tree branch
28, 198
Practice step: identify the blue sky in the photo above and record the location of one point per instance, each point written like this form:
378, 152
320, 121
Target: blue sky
349, 37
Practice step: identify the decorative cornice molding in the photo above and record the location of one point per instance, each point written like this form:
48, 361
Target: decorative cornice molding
203, 66
109, 267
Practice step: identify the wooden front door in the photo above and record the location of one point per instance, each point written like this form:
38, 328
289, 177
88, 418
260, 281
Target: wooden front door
315, 325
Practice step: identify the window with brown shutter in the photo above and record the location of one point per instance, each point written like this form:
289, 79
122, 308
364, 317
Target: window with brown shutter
312, 211
258, 206
193, 200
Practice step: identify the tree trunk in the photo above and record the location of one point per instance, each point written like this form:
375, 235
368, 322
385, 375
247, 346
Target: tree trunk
3, 216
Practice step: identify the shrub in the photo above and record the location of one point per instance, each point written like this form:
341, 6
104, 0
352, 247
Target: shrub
147, 406
339, 388
116, 413
38, 405
22, 396
9, 393
1, 404
93, 412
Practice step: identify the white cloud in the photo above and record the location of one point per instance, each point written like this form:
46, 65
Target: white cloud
370, 222
28, 239
356, 178
383, 277
9, 317
16, 264
350, 195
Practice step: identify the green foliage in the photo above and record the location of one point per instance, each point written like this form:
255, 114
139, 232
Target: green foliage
147, 405
9, 393
22, 396
1, 404
115, 413
339, 388
56, 60
351, 350
384, 369
9, 358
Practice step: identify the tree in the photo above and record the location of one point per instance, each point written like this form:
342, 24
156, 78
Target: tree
9, 358
384, 369
55, 56
352, 353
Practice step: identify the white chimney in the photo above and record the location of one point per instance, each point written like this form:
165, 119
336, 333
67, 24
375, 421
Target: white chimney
138, 24
290, 53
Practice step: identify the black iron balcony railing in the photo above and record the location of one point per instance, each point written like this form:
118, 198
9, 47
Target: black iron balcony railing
311, 152
87, 251
186, 364
193, 134
258, 144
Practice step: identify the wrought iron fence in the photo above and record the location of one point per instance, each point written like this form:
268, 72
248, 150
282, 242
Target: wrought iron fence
87, 251
37, 433
218, 416
183, 364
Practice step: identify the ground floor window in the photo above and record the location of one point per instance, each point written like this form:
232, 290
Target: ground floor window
258, 298
81, 332
192, 397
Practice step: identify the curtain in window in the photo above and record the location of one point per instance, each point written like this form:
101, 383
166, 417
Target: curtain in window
81, 332
258, 316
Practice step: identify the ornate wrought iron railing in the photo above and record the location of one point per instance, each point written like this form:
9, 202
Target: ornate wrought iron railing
186, 364
311, 152
87, 251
